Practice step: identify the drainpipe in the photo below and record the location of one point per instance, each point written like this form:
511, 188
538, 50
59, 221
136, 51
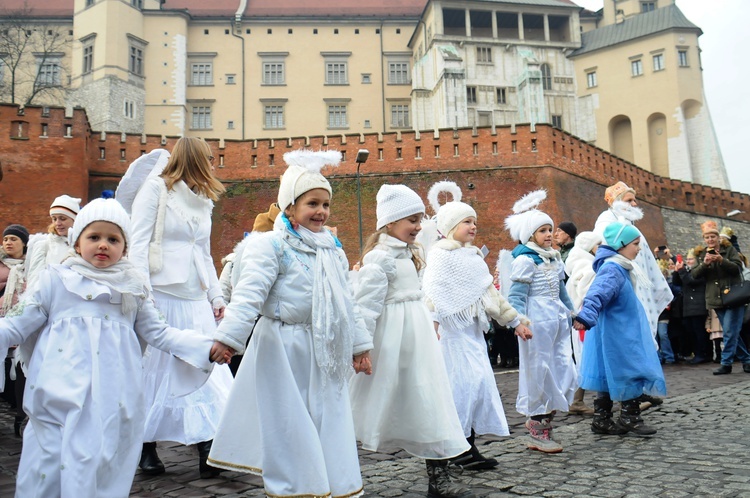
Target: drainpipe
238, 22
383, 76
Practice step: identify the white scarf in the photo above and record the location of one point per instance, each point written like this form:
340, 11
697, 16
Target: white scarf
457, 282
14, 285
547, 255
333, 315
122, 277
637, 275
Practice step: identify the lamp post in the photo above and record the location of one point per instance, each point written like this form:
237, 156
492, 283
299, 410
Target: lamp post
362, 155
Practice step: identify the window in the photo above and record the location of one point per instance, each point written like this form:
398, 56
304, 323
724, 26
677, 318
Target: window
201, 118
336, 73
648, 6
230, 125
88, 58
658, 62
2, 72
230, 79
471, 95
273, 116
337, 116
138, 4
682, 58
398, 73
89, 3
400, 115
546, 77
273, 73
501, 96
591, 79
49, 72
484, 55
366, 78
135, 64
129, 109
557, 121
202, 73
636, 67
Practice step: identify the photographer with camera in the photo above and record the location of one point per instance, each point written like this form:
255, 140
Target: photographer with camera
721, 267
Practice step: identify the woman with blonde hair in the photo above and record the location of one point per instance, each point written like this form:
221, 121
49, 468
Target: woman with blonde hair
171, 217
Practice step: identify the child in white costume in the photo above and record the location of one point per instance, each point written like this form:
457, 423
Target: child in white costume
288, 417
407, 401
547, 377
580, 273
459, 288
86, 324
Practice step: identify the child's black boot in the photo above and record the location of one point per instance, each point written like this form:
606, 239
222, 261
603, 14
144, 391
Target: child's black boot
603, 423
630, 419
443, 482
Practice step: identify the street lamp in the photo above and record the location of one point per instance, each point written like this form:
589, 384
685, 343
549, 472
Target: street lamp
362, 155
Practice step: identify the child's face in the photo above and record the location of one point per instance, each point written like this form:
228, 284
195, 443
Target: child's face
406, 229
62, 224
101, 243
543, 236
466, 230
311, 209
631, 250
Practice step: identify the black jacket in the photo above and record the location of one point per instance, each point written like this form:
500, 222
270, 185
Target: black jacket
693, 293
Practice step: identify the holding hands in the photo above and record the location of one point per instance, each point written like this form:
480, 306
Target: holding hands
523, 332
578, 325
221, 353
362, 363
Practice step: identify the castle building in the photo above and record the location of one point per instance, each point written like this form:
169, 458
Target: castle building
250, 69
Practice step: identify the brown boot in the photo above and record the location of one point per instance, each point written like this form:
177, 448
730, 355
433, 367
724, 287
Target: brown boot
578, 407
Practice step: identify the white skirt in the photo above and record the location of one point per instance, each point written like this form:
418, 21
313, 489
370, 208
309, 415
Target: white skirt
473, 381
188, 419
287, 423
407, 401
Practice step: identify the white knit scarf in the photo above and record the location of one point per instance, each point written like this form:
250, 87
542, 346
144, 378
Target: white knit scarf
637, 275
14, 285
122, 277
457, 282
332, 307
547, 255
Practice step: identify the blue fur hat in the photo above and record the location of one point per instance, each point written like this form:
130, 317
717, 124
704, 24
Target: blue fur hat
618, 235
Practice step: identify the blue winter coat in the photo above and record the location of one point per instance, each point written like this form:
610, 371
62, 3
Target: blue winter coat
619, 354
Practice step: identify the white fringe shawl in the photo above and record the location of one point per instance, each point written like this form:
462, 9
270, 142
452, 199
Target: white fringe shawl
456, 283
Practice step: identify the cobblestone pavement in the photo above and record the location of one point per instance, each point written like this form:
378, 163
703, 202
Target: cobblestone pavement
702, 449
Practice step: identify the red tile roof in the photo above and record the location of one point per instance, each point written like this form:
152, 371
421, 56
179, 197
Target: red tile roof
38, 8
204, 8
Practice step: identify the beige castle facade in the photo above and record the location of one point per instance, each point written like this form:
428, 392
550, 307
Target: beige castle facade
245, 69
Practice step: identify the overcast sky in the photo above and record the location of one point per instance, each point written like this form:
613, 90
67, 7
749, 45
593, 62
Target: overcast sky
724, 42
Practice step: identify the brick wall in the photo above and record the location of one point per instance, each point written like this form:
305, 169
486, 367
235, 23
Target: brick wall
501, 163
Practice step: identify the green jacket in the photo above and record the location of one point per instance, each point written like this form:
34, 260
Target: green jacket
719, 276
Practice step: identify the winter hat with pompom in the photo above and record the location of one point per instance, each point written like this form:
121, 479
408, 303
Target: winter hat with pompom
303, 174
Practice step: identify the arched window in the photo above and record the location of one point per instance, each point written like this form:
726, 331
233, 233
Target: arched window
546, 77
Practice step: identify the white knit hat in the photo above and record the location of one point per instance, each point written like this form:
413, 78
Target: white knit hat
303, 173
451, 214
396, 202
526, 218
587, 240
100, 210
65, 205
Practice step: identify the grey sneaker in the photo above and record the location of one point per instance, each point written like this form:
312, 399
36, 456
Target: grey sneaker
540, 436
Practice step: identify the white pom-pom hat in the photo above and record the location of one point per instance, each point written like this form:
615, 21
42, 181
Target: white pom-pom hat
396, 202
527, 219
100, 210
303, 174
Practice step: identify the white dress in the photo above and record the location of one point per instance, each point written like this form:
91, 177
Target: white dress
284, 419
579, 268
44, 249
183, 289
84, 390
547, 377
407, 401
655, 299
464, 349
